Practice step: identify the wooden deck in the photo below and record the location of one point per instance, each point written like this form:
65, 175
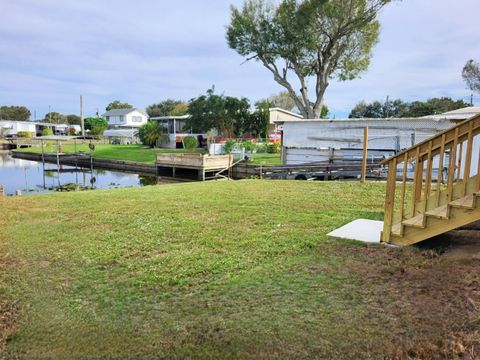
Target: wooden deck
200, 165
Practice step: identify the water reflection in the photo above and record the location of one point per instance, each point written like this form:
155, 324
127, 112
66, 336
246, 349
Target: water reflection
33, 177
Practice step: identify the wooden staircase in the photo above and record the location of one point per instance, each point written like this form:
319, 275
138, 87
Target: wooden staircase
434, 186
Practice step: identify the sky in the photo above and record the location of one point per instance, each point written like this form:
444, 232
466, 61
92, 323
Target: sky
146, 51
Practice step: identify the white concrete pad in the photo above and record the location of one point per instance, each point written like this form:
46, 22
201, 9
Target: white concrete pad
362, 230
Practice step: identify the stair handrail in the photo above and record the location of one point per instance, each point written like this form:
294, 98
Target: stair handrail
445, 142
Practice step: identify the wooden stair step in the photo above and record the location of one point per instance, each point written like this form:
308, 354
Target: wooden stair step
465, 202
439, 213
397, 230
416, 221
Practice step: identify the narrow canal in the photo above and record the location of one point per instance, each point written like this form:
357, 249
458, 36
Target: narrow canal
32, 177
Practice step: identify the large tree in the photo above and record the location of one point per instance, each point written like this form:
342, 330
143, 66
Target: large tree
282, 100
73, 119
55, 118
18, 113
229, 115
168, 107
116, 104
471, 75
317, 39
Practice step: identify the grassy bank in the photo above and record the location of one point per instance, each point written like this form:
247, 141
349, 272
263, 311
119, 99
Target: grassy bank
266, 159
137, 153
222, 270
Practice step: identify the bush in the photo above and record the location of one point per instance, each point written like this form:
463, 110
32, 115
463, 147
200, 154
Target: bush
25, 134
261, 147
249, 146
274, 148
190, 143
229, 145
47, 131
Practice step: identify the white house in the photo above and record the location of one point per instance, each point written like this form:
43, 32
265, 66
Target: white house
129, 118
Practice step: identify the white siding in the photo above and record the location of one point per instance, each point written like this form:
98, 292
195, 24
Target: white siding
348, 134
135, 119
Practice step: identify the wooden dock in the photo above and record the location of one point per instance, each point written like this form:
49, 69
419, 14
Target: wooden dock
198, 166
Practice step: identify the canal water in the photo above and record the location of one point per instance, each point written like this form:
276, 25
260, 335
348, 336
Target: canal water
32, 177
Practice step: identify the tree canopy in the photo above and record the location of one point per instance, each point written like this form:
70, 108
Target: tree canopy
168, 107
282, 100
316, 39
471, 75
18, 113
116, 104
229, 115
73, 119
96, 125
397, 108
55, 118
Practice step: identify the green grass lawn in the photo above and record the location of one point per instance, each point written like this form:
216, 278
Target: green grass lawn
266, 159
138, 153
208, 270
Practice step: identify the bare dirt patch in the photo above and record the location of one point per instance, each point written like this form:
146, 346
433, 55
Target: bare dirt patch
426, 298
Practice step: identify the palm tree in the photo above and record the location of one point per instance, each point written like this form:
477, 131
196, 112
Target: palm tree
151, 133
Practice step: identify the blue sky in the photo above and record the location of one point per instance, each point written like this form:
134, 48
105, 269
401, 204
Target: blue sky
142, 52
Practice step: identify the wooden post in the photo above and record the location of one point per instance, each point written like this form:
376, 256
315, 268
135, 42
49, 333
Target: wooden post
389, 200
365, 151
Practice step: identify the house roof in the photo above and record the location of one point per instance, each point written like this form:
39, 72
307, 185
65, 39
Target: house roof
453, 116
459, 114
120, 112
286, 112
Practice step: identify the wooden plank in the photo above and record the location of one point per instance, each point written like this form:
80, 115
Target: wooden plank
389, 200
428, 180
417, 185
451, 168
404, 187
440, 212
467, 202
468, 159
416, 221
440, 171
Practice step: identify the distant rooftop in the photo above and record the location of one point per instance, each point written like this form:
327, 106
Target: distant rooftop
459, 114
120, 112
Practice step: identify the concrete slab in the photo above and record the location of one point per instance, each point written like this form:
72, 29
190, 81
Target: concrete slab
362, 230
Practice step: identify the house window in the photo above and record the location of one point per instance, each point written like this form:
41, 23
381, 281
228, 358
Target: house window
136, 118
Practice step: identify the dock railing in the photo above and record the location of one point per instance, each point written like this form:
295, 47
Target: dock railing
445, 168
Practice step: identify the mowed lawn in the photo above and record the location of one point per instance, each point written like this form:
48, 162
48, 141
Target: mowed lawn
238, 269
137, 153
140, 153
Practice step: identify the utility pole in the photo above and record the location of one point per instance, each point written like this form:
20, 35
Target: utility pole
471, 100
82, 123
